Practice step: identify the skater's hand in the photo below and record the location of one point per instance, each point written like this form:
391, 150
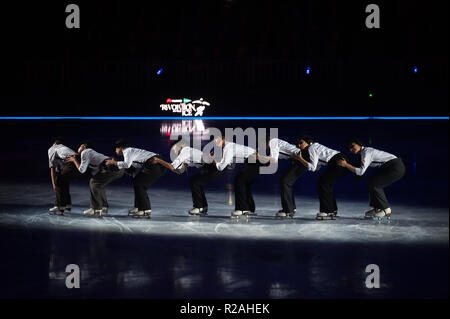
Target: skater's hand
54, 187
153, 160
342, 162
177, 171
111, 162
71, 159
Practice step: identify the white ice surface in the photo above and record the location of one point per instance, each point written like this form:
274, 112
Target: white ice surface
28, 206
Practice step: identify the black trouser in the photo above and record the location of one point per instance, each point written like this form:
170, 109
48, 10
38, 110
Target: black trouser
287, 181
146, 177
208, 173
388, 173
325, 185
242, 187
98, 183
62, 184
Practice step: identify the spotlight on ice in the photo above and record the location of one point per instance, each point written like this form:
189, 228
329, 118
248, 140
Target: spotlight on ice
415, 69
159, 71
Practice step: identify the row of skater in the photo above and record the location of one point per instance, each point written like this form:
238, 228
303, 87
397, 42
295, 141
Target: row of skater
101, 170
305, 155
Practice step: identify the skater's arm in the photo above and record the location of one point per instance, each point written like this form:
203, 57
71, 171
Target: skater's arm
156, 160
111, 161
52, 174
300, 158
74, 160
264, 158
342, 162
366, 159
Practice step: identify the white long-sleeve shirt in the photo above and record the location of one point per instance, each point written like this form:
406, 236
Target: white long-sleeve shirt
91, 159
135, 157
373, 158
190, 156
282, 149
319, 155
57, 154
233, 151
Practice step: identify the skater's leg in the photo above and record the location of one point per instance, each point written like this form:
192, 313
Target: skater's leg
287, 181
325, 186
240, 192
98, 184
385, 176
68, 173
207, 175
143, 181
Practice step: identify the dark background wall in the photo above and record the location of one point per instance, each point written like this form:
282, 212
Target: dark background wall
246, 57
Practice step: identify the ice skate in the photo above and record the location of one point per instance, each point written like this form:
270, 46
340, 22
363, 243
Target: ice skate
133, 211
105, 211
236, 214
54, 210
382, 214
282, 214
59, 210
370, 214
93, 213
198, 211
322, 216
143, 213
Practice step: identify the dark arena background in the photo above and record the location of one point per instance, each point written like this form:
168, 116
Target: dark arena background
131, 67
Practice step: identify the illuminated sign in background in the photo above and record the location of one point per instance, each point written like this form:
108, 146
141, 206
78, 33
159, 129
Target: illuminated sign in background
185, 106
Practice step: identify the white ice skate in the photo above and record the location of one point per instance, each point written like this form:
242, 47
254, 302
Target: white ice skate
322, 216
381, 214
59, 210
133, 211
93, 213
198, 211
54, 210
104, 210
282, 214
143, 213
236, 214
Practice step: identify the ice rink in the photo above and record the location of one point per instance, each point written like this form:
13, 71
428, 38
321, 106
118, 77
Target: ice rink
174, 255
169, 217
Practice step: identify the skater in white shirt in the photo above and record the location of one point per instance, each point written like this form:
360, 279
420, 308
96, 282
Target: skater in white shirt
62, 172
391, 169
232, 152
94, 163
282, 150
320, 155
143, 169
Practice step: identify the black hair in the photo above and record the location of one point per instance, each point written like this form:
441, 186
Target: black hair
308, 139
88, 144
58, 140
354, 141
122, 143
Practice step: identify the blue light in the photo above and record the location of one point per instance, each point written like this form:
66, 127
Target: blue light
308, 70
159, 71
415, 70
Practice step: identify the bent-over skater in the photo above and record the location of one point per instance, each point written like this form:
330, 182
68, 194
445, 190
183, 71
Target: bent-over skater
101, 176
145, 172
391, 169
